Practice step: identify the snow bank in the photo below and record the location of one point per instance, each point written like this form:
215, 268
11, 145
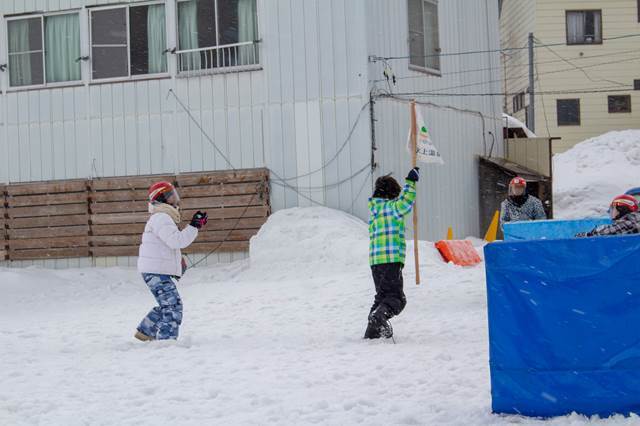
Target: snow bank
319, 241
588, 176
309, 240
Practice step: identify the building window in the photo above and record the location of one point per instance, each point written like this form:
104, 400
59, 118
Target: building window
518, 102
584, 27
128, 41
44, 49
424, 38
568, 112
215, 34
619, 103
636, 84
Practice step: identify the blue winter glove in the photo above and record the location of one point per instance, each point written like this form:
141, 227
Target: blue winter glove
414, 174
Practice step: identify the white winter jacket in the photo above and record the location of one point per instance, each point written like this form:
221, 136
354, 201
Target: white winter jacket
161, 243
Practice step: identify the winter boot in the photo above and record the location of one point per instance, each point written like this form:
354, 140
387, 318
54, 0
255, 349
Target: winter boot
379, 320
372, 332
143, 337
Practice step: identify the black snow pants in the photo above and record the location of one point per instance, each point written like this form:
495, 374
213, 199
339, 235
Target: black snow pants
388, 280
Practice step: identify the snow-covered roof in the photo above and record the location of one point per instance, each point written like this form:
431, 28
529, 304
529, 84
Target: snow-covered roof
513, 123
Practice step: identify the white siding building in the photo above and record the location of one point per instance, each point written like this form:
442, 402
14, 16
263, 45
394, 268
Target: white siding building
85, 92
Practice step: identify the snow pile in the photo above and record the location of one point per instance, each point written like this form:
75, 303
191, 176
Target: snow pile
319, 241
314, 237
588, 176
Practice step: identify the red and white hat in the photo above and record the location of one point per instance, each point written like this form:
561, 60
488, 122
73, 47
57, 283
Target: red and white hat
161, 192
518, 181
628, 201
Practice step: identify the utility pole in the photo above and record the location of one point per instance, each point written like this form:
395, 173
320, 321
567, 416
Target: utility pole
372, 117
532, 97
504, 59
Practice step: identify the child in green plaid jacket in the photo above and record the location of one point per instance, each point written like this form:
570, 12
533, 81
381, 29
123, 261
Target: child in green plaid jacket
387, 209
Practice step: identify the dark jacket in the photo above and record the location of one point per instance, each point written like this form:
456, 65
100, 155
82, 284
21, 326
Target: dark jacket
531, 209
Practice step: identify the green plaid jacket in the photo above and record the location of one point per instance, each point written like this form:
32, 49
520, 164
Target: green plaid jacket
386, 226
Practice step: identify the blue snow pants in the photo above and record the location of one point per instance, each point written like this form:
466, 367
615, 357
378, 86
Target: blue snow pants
163, 321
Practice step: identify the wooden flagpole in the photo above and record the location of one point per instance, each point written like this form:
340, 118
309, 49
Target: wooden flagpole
414, 161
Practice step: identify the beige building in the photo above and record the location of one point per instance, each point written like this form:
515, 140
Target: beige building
587, 66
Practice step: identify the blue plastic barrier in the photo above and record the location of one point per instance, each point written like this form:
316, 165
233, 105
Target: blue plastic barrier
564, 326
550, 229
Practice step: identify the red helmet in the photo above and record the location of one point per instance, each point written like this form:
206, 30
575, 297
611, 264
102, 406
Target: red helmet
518, 181
625, 202
160, 192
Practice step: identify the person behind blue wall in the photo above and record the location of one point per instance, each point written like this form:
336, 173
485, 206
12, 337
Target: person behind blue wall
626, 218
519, 205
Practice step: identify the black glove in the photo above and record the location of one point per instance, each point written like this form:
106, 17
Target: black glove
199, 219
584, 234
414, 174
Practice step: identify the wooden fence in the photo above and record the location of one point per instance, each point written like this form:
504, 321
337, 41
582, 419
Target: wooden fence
106, 217
533, 153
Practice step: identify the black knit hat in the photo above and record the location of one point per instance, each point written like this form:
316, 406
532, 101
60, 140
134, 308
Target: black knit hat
387, 187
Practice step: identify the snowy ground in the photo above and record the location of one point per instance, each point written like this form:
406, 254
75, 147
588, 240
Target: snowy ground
276, 341
588, 176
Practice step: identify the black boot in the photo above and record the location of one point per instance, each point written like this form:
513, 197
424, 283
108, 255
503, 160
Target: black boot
372, 332
379, 320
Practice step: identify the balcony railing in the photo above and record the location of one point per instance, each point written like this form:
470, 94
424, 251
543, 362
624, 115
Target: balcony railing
225, 58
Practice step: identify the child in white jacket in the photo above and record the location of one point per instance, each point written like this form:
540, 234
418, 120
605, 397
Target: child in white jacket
160, 261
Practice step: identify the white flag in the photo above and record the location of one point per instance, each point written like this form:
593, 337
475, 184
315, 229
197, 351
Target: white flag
426, 151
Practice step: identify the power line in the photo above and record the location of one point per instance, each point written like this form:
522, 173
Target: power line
554, 61
542, 73
581, 69
364, 183
215, 146
557, 92
283, 182
544, 109
440, 55
329, 186
374, 58
197, 123
446, 107
335, 156
324, 166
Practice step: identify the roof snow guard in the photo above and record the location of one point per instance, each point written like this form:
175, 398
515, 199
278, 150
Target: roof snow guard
563, 326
